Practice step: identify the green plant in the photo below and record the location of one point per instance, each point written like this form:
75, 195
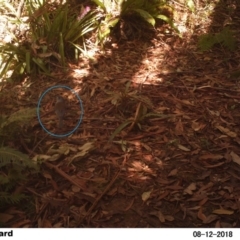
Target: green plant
114, 13
15, 159
50, 32
133, 106
191, 5
9, 126
13, 165
225, 38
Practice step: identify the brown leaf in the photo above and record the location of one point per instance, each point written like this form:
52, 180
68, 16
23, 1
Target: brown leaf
47, 175
58, 225
217, 225
189, 190
179, 128
146, 195
187, 102
203, 201
173, 172
229, 188
196, 126
83, 151
162, 196
169, 218
210, 218
46, 223
214, 165
223, 212
235, 157
226, 131
208, 185
204, 175
161, 217
183, 148
148, 157
201, 215
211, 157
75, 189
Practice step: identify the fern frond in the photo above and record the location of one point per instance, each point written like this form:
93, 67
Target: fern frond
6, 198
16, 158
22, 115
206, 42
225, 37
4, 179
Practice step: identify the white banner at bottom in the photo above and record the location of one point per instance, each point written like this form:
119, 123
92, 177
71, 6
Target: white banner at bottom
118, 234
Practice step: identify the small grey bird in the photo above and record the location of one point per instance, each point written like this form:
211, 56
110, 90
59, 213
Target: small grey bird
60, 109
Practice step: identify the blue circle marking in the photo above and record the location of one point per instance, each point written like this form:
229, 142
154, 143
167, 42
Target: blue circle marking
80, 106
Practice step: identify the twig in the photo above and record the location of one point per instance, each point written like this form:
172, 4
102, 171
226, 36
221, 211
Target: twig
63, 174
135, 117
98, 199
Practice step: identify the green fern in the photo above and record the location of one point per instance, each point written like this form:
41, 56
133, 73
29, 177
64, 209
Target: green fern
12, 164
15, 158
10, 126
225, 37
6, 198
206, 42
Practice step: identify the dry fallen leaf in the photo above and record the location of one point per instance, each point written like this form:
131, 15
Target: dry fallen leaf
223, 211
146, 195
226, 131
183, 148
201, 215
84, 150
179, 128
210, 218
189, 190
75, 189
47, 175
211, 157
196, 126
173, 172
169, 218
217, 224
41, 157
161, 217
235, 158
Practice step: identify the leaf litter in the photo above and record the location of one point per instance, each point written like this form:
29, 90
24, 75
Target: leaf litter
178, 170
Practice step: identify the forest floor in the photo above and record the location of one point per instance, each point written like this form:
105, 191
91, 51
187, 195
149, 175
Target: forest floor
174, 158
